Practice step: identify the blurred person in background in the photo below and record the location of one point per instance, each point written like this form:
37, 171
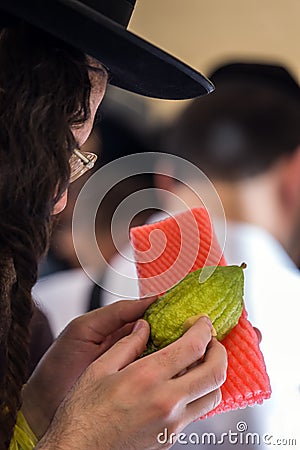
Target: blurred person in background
246, 138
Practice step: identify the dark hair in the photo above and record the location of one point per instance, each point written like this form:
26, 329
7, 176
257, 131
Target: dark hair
44, 91
244, 126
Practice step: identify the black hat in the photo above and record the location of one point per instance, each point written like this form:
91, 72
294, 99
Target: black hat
98, 28
273, 75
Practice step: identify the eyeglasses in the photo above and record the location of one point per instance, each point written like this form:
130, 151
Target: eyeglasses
81, 162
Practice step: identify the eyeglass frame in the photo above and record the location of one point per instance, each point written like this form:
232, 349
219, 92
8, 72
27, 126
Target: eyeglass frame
88, 160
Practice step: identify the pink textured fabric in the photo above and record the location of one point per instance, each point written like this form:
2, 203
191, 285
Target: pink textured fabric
165, 252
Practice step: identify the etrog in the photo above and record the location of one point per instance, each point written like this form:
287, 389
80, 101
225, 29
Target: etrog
220, 296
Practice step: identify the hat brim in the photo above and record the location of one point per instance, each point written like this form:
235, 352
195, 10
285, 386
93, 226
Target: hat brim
135, 64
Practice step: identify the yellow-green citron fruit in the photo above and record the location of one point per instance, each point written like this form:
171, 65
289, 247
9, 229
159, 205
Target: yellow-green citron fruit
220, 296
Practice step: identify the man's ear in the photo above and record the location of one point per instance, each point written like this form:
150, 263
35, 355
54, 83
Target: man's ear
291, 179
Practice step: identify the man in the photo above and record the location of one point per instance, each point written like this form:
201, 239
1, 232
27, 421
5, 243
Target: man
81, 395
246, 139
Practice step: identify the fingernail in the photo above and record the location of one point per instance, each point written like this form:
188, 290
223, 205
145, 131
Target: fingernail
138, 326
209, 322
207, 319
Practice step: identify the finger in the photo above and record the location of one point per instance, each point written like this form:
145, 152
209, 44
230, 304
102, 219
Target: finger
126, 350
182, 353
202, 406
207, 376
125, 330
121, 332
97, 324
111, 339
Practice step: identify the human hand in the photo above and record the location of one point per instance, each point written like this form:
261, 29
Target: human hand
83, 341
123, 403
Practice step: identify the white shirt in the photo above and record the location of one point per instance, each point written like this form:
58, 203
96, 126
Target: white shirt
63, 296
272, 297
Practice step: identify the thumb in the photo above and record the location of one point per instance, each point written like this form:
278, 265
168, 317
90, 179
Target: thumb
127, 349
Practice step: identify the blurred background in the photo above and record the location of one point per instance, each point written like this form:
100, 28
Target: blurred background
207, 33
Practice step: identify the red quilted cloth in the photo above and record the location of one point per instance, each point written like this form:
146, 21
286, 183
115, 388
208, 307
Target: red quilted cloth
165, 252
